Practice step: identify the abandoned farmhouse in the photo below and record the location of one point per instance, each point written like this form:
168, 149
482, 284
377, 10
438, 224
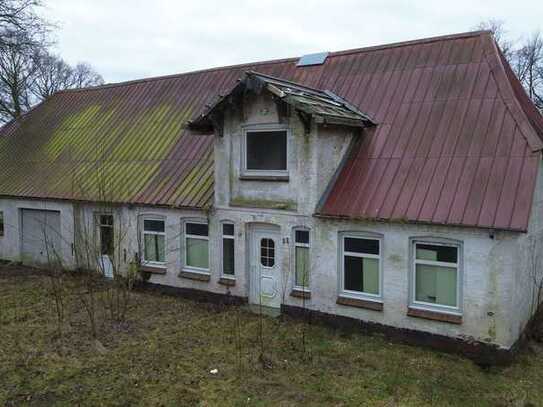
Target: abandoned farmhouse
399, 186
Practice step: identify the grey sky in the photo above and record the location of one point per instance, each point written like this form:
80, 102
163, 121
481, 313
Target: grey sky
132, 39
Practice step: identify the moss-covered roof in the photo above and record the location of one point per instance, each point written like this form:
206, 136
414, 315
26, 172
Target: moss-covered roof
124, 143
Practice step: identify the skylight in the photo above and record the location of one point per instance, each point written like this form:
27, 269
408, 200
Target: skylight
312, 59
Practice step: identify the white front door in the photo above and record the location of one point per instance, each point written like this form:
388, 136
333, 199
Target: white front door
265, 267
106, 266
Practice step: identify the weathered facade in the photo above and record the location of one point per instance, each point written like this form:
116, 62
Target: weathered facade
387, 185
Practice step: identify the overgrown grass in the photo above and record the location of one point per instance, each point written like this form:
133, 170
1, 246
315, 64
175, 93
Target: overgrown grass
164, 354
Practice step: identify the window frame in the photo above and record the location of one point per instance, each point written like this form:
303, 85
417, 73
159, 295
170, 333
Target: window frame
2, 225
433, 241
341, 266
231, 237
295, 244
143, 233
259, 129
185, 236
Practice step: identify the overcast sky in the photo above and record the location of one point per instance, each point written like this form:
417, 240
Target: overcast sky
132, 39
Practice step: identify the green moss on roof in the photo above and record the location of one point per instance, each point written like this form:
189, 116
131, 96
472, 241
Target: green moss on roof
78, 135
109, 146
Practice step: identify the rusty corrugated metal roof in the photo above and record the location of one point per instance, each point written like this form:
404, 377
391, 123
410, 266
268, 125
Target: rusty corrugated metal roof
453, 144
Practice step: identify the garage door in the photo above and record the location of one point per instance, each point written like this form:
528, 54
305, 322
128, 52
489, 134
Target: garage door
40, 236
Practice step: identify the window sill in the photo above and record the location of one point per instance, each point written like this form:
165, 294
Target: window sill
272, 178
228, 281
434, 315
300, 293
146, 268
360, 303
194, 275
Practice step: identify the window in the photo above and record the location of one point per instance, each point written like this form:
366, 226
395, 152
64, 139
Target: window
228, 249
106, 235
1, 224
266, 151
154, 241
436, 278
267, 252
197, 246
361, 264
301, 258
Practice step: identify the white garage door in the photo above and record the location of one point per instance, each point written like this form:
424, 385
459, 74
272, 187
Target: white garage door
40, 236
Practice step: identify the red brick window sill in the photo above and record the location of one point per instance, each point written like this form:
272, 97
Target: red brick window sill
360, 303
434, 315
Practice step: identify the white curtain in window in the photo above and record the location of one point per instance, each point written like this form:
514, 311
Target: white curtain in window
154, 248
371, 275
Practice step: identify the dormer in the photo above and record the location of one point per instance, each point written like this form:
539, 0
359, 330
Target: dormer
278, 144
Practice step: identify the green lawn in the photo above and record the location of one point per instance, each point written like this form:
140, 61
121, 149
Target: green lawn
165, 351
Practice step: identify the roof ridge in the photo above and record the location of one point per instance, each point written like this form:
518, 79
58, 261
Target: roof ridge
333, 54
178, 75
426, 40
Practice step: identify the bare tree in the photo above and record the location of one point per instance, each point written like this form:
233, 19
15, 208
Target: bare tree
22, 34
29, 72
84, 75
16, 78
497, 27
18, 18
528, 65
535, 269
53, 74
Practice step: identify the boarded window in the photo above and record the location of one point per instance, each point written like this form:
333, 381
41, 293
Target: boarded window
266, 150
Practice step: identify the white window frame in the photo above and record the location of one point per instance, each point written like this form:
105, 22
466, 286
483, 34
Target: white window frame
263, 128
233, 238
342, 253
144, 260
185, 236
459, 274
294, 246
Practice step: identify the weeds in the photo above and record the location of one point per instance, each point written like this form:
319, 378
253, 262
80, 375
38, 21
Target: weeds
165, 354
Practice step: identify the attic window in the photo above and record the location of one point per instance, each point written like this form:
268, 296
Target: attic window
266, 152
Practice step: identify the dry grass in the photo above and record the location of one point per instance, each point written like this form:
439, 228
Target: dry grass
163, 356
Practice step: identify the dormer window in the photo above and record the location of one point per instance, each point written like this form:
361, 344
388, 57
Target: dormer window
265, 152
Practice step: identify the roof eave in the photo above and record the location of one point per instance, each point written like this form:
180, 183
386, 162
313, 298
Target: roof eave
322, 215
